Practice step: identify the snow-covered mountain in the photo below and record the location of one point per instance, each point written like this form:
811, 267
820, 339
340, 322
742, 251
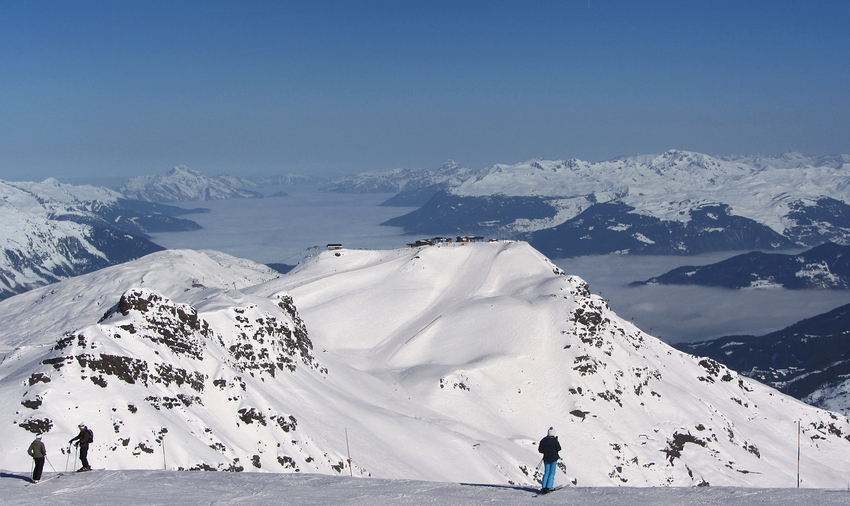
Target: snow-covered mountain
287, 179
445, 363
50, 231
182, 184
809, 360
675, 203
824, 266
410, 181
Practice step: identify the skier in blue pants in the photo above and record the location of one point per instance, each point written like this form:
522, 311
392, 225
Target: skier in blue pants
549, 447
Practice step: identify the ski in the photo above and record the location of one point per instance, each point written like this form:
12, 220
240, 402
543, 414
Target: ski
538, 494
48, 478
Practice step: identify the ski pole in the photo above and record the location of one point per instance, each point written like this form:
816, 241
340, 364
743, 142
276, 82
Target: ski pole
67, 458
51, 464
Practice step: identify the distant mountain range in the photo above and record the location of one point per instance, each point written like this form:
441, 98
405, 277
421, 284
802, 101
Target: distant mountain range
51, 231
676, 203
809, 360
825, 266
182, 184
412, 184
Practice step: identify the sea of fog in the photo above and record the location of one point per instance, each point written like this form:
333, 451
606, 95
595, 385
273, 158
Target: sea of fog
288, 229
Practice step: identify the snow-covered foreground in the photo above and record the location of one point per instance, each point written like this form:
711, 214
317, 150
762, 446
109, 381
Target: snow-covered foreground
190, 488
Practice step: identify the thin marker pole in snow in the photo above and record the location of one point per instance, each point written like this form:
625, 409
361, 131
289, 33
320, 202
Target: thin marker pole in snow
162, 442
348, 449
798, 453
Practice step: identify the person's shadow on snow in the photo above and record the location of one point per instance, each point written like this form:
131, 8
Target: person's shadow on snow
17, 476
511, 487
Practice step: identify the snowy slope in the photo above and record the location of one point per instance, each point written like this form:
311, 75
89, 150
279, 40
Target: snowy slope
444, 363
182, 184
170, 488
49, 231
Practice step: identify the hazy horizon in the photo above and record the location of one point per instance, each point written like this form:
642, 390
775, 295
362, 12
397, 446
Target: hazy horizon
122, 89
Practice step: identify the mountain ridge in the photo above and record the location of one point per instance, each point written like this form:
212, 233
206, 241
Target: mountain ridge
803, 203
446, 362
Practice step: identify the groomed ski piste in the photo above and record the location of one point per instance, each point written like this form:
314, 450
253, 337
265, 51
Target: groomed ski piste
442, 364
174, 488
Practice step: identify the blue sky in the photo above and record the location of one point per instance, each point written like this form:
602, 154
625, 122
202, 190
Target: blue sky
250, 87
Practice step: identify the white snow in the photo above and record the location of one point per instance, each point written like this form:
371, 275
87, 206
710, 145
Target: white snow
142, 488
442, 364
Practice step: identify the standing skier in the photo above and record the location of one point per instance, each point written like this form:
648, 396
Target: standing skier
83, 439
549, 447
37, 452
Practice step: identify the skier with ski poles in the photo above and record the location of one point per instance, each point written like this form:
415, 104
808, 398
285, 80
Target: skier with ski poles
549, 447
82, 441
38, 453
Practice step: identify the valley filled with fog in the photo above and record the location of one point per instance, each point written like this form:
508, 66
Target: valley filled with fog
286, 230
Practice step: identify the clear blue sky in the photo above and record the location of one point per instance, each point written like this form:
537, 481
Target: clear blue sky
252, 87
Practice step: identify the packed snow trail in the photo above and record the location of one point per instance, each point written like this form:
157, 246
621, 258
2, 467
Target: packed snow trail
173, 488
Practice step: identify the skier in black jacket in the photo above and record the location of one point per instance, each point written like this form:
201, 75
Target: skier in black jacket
37, 452
83, 439
549, 447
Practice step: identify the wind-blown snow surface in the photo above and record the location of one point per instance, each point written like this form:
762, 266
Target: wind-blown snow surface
443, 364
130, 488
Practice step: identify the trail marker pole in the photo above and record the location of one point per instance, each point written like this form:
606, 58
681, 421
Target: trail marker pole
162, 442
348, 449
798, 453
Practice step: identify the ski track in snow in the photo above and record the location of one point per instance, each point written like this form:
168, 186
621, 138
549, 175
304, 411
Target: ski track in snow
222, 489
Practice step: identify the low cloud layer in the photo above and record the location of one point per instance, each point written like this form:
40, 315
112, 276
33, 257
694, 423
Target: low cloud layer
694, 313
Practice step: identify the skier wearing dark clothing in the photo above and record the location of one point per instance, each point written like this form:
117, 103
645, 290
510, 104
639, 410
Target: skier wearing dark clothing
549, 447
83, 439
38, 453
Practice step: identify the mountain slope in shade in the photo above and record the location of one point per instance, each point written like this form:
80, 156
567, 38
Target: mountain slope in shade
50, 231
809, 360
183, 184
825, 266
445, 363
